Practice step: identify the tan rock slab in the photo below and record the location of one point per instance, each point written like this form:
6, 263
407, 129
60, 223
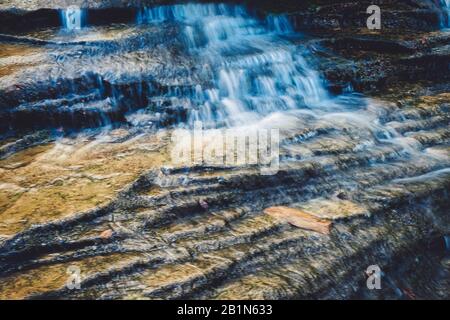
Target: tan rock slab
332, 209
300, 219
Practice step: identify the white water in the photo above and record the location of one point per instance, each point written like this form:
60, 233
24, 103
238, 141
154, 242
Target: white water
447, 242
255, 71
258, 78
72, 18
446, 8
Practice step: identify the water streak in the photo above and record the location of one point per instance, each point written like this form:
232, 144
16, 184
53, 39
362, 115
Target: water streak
255, 71
446, 8
232, 69
73, 18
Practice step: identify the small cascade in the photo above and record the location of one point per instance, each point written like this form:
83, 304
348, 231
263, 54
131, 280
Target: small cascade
446, 18
73, 18
187, 12
229, 69
280, 24
252, 73
255, 71
271, 139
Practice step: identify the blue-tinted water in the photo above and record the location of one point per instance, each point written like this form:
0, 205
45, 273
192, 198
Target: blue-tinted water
255, 71
229, 69
73, 18
446, 8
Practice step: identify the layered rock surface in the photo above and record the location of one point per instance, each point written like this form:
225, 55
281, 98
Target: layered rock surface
111, 202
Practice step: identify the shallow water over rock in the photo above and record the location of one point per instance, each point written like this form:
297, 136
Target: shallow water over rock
446, 8
87, 177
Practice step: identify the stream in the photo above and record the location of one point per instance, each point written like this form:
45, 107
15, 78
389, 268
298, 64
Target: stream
89, 179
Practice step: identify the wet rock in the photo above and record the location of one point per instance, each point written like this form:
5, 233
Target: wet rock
300, 219
320, 15
20, 15
107, 234
374, 64
40, 137
433, 65
354, 243
210, 232
371, 44
333, 209
331, 15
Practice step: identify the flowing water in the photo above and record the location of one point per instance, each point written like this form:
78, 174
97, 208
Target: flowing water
257, 77
214, 63
253, 70
73, 18
446, 18
341, 156
221, 66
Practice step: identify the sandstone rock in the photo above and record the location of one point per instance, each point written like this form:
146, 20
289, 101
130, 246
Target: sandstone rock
333, 209
107, 234
202, 234
300, 219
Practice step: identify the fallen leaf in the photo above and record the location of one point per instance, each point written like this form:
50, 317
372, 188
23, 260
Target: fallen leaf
300, 219
203, 204
106, 234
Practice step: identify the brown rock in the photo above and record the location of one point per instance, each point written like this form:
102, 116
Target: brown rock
300, 219
106, 234
332, 209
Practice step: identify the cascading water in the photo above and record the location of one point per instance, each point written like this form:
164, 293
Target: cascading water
225, 68
254, 70
372, 167
446, 8
256, 76
73, 18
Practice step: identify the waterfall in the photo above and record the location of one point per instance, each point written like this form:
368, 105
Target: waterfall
251, 73
255, 71
447, 242
446, 8
73, 18
280, 24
